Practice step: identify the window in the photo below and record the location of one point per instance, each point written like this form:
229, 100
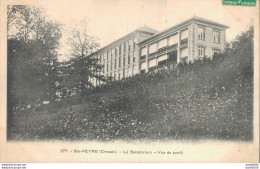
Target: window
124, 47
129, 47
119, 49
133, 70
129, 58
201, 51
111, 59
123, 72
115, 63
134, 56
216, 36
119, 75
134, 43
128, 71
201, 33
123, 60
119, 61
115, 59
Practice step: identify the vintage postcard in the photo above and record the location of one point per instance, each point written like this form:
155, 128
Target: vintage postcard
129, 81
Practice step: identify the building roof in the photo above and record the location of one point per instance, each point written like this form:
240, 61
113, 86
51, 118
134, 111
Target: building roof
141, 29
147, 29
194, 18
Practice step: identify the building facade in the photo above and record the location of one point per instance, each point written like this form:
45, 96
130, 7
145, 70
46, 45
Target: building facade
146, 49
187, 41
120, 58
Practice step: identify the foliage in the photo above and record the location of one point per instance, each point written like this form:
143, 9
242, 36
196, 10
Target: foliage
33, 42
82, 66
209, 99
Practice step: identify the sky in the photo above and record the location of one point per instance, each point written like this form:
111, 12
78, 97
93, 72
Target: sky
111, 19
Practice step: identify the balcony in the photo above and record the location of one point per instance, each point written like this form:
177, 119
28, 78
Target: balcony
152, 69
173, 46
167, 48
184, 42
162, 63
163, 49
152, 54
142, 58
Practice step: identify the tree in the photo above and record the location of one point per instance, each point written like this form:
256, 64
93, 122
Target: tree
83, 65
33, 42
50, 43
12, 13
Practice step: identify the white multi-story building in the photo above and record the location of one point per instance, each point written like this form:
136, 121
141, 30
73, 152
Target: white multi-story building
120, 59
146, 49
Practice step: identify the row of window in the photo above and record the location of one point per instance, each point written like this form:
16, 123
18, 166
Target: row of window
115, 64
117, 75
160, 61
174, 39
113, 57
201, 35
201, 51
117, 50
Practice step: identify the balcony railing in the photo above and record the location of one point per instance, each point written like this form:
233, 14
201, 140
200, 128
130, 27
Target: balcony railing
167, 47
184, 41
152, 68
143, 57
173, 46
162, 63
163, 49
167, 64
152, 54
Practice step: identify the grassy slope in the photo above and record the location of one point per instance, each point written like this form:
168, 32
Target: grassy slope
206, 100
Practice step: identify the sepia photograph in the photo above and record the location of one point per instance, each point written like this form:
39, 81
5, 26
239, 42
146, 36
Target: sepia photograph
121, 73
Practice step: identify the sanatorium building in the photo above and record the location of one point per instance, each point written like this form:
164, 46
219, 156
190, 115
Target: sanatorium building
146, 49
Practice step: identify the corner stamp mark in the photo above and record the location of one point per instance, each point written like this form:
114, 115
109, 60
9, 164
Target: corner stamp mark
239, 2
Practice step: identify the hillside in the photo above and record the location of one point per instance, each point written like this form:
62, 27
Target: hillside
209, 99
